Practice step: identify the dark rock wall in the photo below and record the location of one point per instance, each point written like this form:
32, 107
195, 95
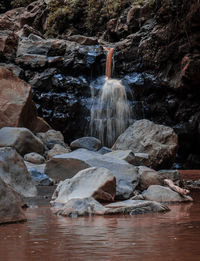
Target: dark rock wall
157, 57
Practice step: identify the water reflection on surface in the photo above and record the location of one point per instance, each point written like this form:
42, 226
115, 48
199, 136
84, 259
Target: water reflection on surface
154, 237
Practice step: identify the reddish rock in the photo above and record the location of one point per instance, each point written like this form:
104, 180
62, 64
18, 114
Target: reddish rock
10, 205
8, 44
16, 106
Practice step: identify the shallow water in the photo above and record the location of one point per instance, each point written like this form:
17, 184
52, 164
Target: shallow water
172, 236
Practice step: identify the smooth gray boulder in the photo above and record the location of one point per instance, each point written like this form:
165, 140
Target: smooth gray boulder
22, 139
10, 205
148, 177
67, 165
34, 158
126, 155
90, 143
158, 141
89, 206
13, 171
98, 183
164, 194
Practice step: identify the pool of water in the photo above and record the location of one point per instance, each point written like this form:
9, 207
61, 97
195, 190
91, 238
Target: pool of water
171, 236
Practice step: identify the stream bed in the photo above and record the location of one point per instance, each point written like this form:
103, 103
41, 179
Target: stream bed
172, 236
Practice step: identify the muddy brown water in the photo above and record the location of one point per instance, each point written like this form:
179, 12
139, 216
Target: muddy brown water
171, 236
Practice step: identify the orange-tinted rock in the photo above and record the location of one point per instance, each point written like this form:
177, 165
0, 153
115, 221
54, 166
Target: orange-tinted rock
16, 106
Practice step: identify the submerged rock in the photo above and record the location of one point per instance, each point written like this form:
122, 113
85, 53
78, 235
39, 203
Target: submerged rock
10, 205
14, 172
88, 206
98, 183
144, 136
165, 194
22, 139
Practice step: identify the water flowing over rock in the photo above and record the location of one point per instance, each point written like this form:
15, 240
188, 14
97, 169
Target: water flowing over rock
110, 113
98, 183
159, 141
10, 205
13, 171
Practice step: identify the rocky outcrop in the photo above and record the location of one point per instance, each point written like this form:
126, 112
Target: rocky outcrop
14, 172
16, 106
22, 139
10, 205
98, 183
159, 141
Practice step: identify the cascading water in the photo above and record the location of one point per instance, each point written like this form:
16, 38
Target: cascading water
110, 112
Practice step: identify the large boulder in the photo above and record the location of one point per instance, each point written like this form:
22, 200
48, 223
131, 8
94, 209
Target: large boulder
14, 172
10, 205
164, 194
22, 139
16, 106
98, 183
144, 136
67, 165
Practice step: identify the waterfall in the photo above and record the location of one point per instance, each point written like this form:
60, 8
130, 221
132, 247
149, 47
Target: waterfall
110, 112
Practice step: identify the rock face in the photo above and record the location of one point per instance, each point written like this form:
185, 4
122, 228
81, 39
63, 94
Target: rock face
14, 172
67, 165
164, 194
22, 139
89, 143
10, 205
98, 183
144, 136
16, 106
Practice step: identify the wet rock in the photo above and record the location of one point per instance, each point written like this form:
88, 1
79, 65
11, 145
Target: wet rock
67, 165
57, 149
14, 172
164, 194
148, 177
98, 183
104, 150
39, 178
126, 155
81, 207
89, 143
10, 205
144, 136
22, 139
16, 106
34, 158
134, 207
